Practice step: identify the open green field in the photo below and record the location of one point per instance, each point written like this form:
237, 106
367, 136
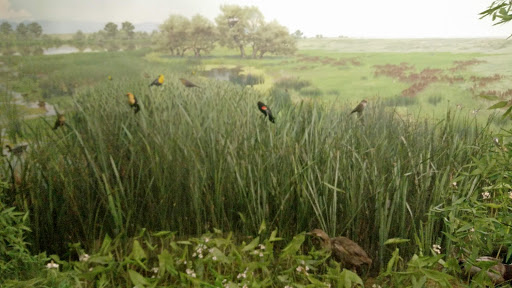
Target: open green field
204, 163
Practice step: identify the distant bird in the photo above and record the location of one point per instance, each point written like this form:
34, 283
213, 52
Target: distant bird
109, 77
146, 75
158, 81
187, 83
266, 111
133, 102
359, 108
61, 121
498, 273
342, 249
18, 150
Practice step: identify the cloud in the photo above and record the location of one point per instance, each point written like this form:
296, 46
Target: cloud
8, 13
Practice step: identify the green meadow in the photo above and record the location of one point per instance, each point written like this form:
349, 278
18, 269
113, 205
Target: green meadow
202, 169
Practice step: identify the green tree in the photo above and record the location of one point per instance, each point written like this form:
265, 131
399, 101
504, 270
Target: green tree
273, 38
79, 40
21, 30
174, 33
34, 30
5, 28
128, 29
202, 35
298, 34
237, 26
110, 29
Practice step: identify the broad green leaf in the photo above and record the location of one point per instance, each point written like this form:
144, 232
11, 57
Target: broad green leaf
493, 205
394, 259
137, 280
263, 227
161, 234
137, 252
498, 105
294, 245
350, 278
273, 237
251, 245
507, 112
490, 97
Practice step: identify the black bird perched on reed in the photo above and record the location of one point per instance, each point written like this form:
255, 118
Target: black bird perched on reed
133, 102
158, 81
17, 150
359, 108
498, 273
187, 83
342, 249
266, 111
61, 121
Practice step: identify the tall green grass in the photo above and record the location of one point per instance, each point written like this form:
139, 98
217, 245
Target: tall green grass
196, 159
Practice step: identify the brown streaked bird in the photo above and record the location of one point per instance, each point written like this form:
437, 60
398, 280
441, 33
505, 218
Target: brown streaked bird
187, 83
266, 111
158, 81
17, 150
61, 121
133, 102
360, 107
342, 249
498, 273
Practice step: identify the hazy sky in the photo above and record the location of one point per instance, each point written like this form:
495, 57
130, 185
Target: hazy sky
353, 18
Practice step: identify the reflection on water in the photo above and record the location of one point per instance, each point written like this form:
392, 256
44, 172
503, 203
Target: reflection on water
234, 75
65, 49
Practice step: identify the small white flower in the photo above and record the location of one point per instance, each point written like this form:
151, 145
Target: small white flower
52, 265
206, 240
510, 194
194, 255
200, 256
154, 270
245, 286
299, 269
287, 286
224, 281
262, 247
472, 230
307, 268
436, 248
302, 262
211, 250
454, 184
486, 195
191, 273
185, 262
214, 258
84, 257
90, 269
261, 254
376, 286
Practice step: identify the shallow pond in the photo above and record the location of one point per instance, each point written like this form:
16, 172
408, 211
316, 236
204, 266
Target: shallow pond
235, 75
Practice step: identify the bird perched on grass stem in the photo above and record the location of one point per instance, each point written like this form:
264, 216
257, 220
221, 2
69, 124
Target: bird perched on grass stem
18, 150
187, 83
61, 121
359, 108
266, 111
342, 249
158, 81
133, 102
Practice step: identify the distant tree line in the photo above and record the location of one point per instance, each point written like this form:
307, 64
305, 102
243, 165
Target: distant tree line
25, 39
236, 27
112, 38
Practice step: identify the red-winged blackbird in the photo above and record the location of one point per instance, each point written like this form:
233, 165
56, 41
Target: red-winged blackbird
158, 81
342, 249
266, 111
61, 121
17, 150
133, 102
187, 83
359, 108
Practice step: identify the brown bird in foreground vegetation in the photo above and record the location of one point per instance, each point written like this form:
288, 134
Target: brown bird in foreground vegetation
61, 121
359, 108
342, 249
266, 111
18, 150
498, 273
187, 83
133, 102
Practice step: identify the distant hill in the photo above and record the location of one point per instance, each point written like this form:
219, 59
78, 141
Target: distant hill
66, 27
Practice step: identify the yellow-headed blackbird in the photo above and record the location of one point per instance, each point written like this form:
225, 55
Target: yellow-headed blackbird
187, 83
342, 249
17, 150
109, 77
133, 102
61, 121
359, 108
158, 81
266, 111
